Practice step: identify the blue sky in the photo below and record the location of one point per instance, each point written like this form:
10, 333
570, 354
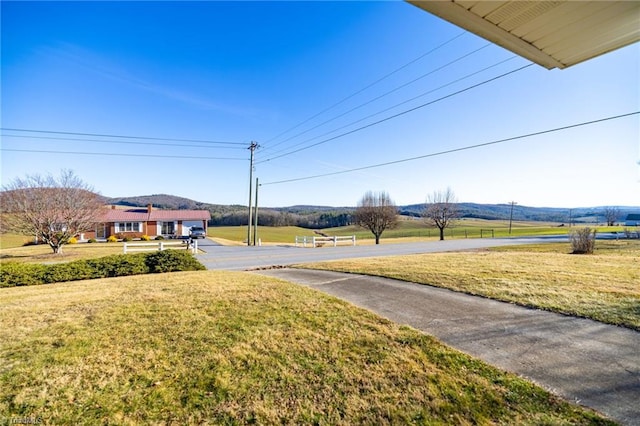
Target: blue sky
237, 72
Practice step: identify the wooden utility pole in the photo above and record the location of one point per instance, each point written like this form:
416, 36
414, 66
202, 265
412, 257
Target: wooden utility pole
252, 148
255, 223
511, 216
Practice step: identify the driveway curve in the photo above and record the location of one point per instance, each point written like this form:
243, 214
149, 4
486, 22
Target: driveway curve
584, 361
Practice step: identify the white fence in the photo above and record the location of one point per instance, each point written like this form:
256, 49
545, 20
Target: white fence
161, 245
319, 241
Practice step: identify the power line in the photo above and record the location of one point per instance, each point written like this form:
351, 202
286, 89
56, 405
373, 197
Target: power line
121, 136
398, 114
458, 59
117, 142
399, 104
366, 87
181, 157
450, 151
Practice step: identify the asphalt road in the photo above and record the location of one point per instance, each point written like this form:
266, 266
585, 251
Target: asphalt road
246, 258
584, 361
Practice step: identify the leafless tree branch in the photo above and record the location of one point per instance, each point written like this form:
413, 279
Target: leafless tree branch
51, 209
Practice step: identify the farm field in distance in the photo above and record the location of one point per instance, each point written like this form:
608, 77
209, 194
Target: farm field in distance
408, 228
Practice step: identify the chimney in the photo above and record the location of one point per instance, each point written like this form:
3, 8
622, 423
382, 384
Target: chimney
149, 206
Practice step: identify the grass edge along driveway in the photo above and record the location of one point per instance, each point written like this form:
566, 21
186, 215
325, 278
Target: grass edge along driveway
221, 348
603, 286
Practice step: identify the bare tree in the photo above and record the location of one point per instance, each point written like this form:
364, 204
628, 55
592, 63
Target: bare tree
611, 215
583, 240
49, 208
376, 212
441, 210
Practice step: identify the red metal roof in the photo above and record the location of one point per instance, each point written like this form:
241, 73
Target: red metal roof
142, 215
179, 215
125, 216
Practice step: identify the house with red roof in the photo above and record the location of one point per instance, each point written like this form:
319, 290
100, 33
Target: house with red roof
136, 222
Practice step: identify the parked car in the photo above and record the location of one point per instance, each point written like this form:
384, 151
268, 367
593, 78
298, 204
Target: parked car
197, 232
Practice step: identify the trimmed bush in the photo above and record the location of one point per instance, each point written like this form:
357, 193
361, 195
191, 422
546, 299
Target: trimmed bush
119, 265
92, 240
159, 237
18, 274
145, 238
173, 261
112, 239
71, 271
73, 240
126, 239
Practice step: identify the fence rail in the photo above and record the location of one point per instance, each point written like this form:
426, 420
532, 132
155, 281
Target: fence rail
319, 241
160, 246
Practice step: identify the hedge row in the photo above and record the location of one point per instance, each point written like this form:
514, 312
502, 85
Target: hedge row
17, 274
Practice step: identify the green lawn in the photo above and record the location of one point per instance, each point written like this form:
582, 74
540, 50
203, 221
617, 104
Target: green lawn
235, 348
268, 234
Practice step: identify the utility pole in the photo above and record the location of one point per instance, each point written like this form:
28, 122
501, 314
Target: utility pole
511, 216
252, 148
255, 223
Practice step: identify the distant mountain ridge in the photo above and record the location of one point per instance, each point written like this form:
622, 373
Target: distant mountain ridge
171, 202
467, 210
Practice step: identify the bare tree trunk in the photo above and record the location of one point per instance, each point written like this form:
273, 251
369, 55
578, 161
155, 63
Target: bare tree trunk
442, 234
377, 238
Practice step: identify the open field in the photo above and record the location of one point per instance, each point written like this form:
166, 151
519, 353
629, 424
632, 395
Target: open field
282, 234
407, 228
604, 286
221, 348
13, 240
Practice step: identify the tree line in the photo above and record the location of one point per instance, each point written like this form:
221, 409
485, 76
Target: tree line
284, 218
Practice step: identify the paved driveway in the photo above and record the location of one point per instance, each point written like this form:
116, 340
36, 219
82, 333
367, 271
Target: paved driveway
584, 361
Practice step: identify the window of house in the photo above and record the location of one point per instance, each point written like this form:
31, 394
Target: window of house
168, 228
129, 227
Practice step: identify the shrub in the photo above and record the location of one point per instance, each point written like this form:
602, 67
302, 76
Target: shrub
582, 240
173, 261
112, 239
118, 265
71, 271
73, 240
92, 240
145, 238
126, 239
18, 274
159, 237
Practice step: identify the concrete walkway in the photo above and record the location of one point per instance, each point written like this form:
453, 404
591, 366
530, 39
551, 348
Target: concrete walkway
584, 361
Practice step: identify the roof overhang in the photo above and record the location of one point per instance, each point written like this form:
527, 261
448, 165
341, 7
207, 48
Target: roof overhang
554, 34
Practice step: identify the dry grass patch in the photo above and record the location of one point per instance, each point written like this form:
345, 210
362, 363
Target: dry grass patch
604, 286
235, 348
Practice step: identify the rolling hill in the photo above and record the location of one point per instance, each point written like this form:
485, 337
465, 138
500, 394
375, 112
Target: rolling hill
325, 216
